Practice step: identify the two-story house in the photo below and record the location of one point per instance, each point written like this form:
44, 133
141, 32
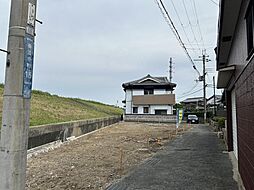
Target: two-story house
193, 104
149, 96
235, 64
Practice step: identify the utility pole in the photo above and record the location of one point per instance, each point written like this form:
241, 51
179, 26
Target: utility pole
203, 78
204, 85
214, 102
170, 69
17, 94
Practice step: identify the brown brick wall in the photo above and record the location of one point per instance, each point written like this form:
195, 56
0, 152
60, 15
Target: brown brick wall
245, 123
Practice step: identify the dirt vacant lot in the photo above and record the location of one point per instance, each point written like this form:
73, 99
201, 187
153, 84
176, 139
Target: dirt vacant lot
96, 160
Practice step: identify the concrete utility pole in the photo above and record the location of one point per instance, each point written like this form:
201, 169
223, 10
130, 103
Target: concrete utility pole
204, 85
204, 56
17, 94
203, 78
214, 102
170, 69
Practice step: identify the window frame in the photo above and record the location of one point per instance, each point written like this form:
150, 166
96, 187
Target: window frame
249, 20
148, 91
136, 110
144, 108
161, 112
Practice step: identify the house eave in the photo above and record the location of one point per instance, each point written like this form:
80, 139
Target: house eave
150, 86
228, 18
224, 76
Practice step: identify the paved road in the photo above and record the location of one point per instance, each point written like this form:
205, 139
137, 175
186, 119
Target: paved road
193, 161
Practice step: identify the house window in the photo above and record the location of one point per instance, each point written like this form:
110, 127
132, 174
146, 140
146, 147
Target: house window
160, 112
145, 109
135, 110
249, 29
148, 91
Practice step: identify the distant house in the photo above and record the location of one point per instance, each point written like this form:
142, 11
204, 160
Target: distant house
193, 104
210, 101
235, 66
149, 96
217, 105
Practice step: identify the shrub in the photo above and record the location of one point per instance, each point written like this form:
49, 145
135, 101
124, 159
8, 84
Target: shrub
221, 121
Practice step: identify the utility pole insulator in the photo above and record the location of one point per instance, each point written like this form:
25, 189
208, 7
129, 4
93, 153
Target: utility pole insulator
200, 78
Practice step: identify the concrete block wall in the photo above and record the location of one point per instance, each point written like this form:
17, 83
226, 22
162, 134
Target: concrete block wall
150, 118
44, 134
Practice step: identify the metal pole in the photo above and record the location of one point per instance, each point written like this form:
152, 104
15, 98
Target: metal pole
17, 91
204, 85
214, 102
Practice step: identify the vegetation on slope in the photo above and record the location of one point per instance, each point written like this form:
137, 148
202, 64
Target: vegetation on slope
47, 108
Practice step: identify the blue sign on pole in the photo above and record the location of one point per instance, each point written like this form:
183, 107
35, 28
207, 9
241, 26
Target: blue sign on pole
28, 65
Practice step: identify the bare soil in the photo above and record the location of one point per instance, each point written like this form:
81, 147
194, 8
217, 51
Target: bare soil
96, 160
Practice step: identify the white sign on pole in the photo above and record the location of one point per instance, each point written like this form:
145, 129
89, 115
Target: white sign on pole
31, 14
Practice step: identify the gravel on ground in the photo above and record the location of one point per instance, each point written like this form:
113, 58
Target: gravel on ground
98, 159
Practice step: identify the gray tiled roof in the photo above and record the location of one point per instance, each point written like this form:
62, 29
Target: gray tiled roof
194, 99
159, 81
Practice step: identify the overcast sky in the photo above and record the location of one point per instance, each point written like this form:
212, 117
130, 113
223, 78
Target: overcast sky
87, 49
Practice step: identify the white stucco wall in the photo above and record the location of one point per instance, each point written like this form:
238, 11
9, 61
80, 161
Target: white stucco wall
140, 109
128, 98
159, 91
238, 53
138, 92
161, 107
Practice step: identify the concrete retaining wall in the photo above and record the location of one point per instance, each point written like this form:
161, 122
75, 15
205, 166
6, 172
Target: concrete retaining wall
150, 118
44, 134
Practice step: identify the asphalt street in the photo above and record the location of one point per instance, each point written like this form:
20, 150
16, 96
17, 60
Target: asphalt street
195, 160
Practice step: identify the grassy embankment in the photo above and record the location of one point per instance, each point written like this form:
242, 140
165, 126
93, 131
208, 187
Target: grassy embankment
47, 108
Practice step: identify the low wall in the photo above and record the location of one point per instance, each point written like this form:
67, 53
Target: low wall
44, 134
150, 118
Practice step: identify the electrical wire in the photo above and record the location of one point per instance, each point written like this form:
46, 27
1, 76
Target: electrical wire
175, 32
191, 93
216, 3
182, 25
199, 28
188, 17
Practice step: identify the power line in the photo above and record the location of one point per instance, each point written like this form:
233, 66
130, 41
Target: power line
216, 3
191, 93
199, 29
169, 20
181, 23
186, 12
175, 32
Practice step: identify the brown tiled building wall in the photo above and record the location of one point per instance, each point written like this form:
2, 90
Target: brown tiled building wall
164, 99
245, 122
